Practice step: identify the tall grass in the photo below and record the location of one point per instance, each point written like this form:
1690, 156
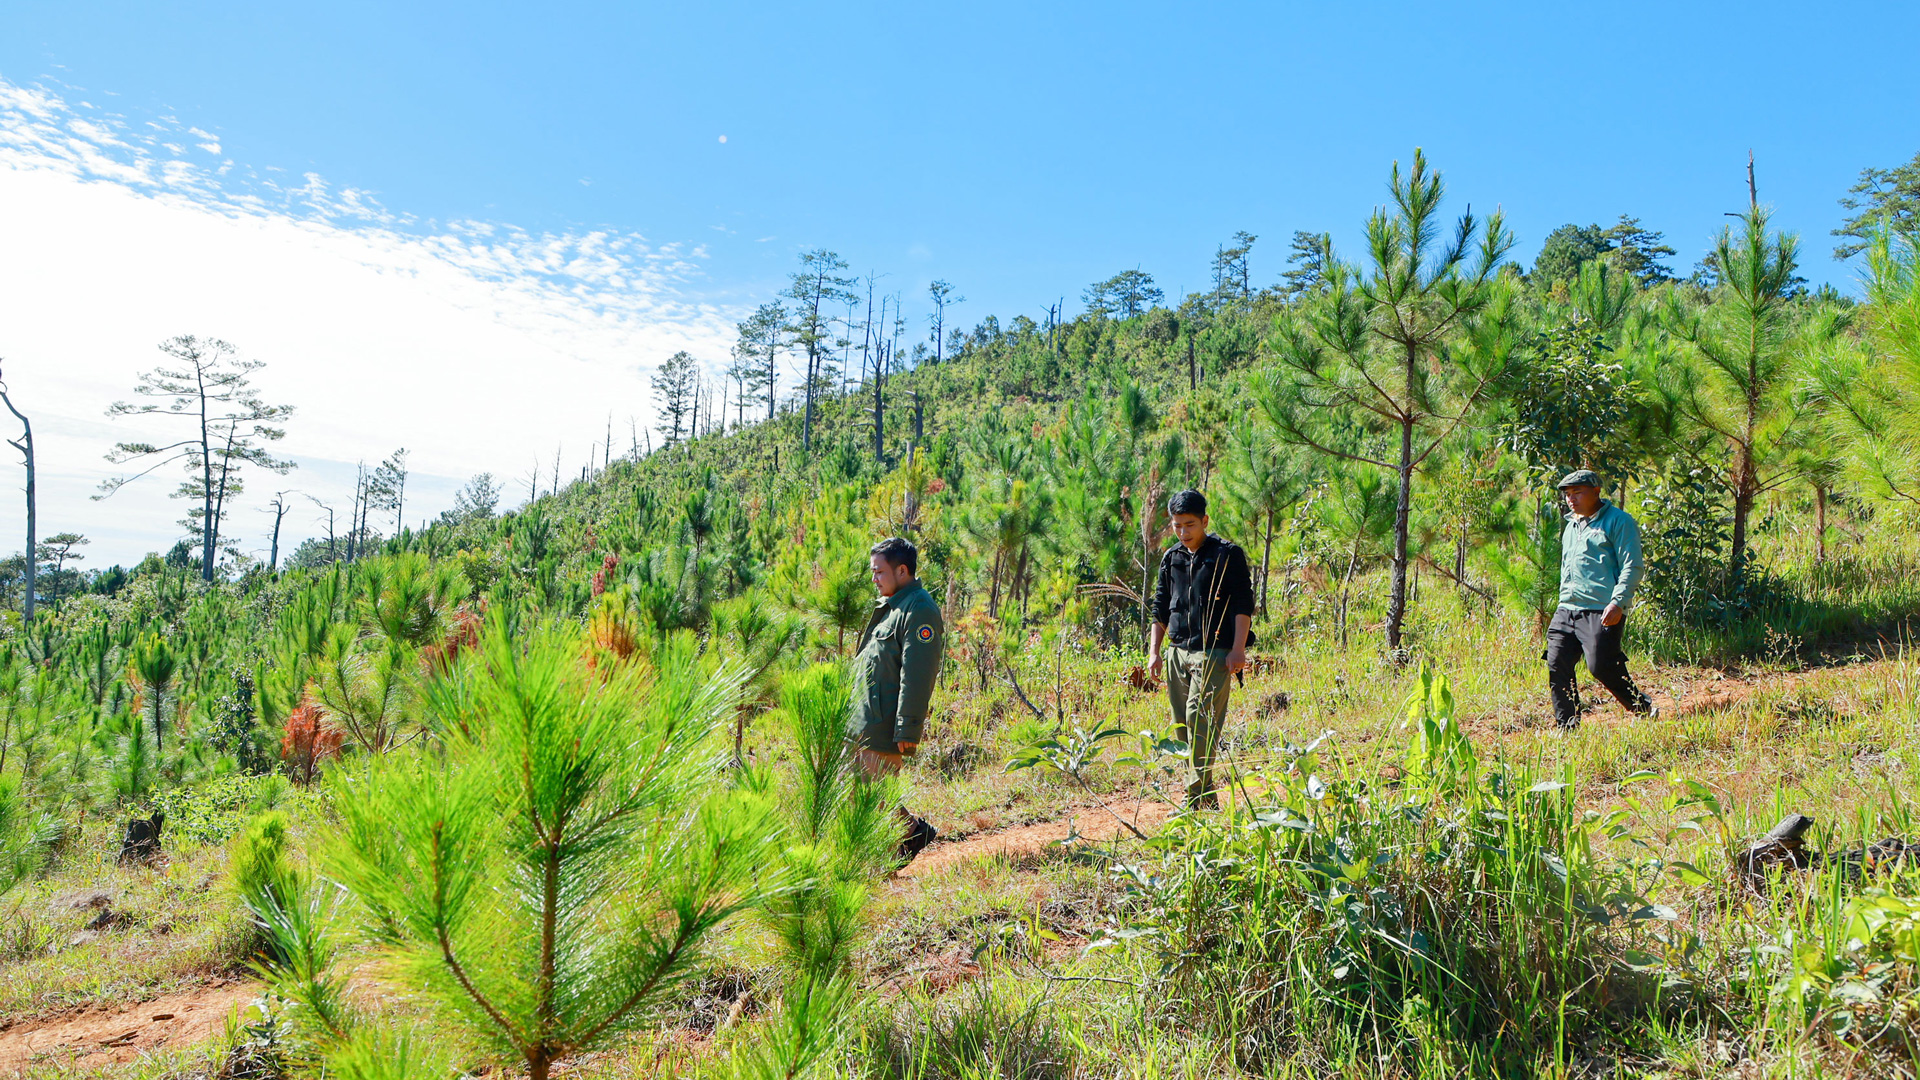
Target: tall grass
1448, 916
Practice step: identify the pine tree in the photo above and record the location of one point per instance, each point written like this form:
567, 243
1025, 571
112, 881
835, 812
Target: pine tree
1385, 367
814, 290
1743, 361
1124, 295
674, 383
1311, 259
1871, 396
555, 871
1232, 279
205, 385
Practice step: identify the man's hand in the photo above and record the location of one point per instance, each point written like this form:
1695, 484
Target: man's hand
1153, 663
1612, 615
908, 749
1236, 661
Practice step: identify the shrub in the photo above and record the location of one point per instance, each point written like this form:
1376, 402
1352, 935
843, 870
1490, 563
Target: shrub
257, 864
1857, 977
212, 812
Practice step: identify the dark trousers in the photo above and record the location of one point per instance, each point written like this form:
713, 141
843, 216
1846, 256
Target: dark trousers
1574, 635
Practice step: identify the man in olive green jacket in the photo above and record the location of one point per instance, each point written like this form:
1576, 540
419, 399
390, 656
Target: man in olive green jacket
894, 672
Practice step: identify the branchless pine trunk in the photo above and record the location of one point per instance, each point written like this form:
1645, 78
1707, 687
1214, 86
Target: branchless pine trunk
207, 537
1402, 511
159, 698
279, 514
875, 348
1820, 519
1746, 477
25, 446
1266, 563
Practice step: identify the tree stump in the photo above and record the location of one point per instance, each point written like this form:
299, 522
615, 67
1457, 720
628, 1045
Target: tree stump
142, 842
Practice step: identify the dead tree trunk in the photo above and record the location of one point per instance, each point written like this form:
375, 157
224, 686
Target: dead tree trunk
25, 446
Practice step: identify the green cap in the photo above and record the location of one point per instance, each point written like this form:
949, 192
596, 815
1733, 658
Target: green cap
1580, 477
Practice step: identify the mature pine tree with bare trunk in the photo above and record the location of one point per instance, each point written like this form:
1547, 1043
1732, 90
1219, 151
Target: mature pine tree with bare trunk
202, 384
817, 286
943, 297
675, 381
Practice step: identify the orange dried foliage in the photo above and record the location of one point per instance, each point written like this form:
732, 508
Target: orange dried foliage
607, 566
611, 635
307, 740
463, 633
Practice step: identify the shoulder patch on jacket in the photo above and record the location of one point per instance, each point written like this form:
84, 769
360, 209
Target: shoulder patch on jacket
926, 632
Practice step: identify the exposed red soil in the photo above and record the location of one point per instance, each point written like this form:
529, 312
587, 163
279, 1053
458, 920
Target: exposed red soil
93, 1036
1093, 823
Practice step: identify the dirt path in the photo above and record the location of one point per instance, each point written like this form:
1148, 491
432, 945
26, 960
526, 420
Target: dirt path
95, 1036
1093, 823
1710, 693
1707, 693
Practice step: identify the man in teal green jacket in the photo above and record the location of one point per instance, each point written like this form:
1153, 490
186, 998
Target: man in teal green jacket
894, 672
1600, 567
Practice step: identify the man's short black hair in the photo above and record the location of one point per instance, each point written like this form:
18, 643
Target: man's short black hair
1188, 502
898, 551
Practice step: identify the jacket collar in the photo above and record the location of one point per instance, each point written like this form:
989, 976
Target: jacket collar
900, 596
1207, 547
1605, 505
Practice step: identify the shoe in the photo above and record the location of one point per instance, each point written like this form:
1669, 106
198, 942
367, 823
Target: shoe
919, 835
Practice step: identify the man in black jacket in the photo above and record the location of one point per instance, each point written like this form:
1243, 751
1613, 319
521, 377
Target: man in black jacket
1203, 615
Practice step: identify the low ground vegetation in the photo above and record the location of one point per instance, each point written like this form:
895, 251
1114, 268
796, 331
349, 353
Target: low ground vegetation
1437, 885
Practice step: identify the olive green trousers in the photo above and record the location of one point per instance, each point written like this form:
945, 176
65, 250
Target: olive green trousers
1197, 685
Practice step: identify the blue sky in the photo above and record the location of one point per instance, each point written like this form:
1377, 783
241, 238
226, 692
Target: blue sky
1018, 150
571, 155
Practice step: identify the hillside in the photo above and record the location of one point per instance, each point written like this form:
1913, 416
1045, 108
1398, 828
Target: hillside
565, 786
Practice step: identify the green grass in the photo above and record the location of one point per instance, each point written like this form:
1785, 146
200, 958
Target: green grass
174, 925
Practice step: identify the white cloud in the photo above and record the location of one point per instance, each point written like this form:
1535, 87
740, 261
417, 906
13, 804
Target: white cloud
476, 345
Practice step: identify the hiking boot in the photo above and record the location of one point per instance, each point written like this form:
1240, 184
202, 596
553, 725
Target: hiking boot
919, 834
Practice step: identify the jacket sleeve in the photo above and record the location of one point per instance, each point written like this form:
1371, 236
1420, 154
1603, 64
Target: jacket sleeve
925, 641
1633, 565
1162, 592
1239, 585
